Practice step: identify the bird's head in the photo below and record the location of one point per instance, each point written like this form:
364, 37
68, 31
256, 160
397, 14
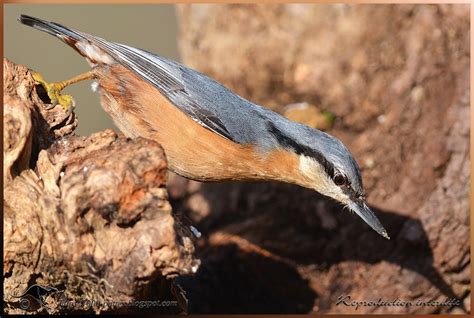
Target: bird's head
327, 166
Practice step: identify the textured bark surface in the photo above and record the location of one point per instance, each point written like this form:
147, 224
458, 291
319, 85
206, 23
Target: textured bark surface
88, 216
396, 77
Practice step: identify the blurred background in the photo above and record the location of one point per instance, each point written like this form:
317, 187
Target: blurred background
395, 81
118, 23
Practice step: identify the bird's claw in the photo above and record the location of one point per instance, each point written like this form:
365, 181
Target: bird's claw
54, 93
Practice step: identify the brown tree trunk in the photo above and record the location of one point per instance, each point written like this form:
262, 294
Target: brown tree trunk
396, 77
87, 216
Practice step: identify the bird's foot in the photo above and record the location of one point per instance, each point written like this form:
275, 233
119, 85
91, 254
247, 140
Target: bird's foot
54, 93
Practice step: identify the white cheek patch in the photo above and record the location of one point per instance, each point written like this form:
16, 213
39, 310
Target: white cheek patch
93, 53
319, 180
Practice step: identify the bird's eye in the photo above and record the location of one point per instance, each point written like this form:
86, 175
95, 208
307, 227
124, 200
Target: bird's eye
340, 179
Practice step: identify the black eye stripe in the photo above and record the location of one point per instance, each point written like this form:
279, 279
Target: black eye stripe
301, 149
329, 168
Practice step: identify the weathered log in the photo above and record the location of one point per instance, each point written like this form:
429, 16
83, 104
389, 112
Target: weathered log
88, 216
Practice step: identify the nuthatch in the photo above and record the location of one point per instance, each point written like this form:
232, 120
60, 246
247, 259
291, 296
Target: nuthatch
208, 132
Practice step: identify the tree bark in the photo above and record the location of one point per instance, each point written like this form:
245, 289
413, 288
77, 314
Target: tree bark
88, 216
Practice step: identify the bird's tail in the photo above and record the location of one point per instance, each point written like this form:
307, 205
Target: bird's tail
85, 44
52, 28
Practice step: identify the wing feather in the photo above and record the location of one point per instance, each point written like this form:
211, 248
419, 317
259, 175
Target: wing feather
168, 77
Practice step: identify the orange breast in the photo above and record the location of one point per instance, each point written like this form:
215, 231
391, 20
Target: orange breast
193, 151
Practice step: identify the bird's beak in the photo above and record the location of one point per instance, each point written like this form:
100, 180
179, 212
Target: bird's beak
369, 217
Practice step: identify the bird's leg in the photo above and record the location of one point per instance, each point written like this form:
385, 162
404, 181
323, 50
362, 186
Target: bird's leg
54, 89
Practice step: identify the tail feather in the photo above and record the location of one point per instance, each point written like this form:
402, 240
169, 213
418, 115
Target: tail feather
84, 44
50, 27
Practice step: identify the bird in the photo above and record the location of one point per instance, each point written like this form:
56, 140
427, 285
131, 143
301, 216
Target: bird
208, 132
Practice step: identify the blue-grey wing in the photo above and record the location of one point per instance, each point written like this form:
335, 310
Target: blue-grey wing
206, 101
